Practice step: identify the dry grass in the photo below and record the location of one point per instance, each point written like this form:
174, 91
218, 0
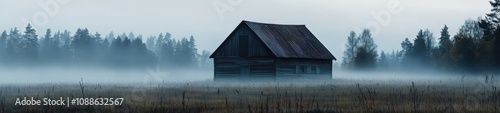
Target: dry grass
210, 97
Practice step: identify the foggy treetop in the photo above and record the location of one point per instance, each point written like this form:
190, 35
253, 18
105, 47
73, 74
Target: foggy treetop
475, 48
61, 48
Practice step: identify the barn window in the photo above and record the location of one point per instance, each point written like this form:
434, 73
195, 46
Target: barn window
243, 43
313, 70
303, 69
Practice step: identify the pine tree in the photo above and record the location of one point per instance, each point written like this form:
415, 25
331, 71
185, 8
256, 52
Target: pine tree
159, 44
150, 43
183, 53
484, 51
55, 47
383, 61
407, 53
139, 53
126, 44
105, 43
489, 47
430, 49
419, 51
110, 37
82, 46
395, 59
492, 21
46, 42
65, 47
444, 40
167, 54
494, 15
100, 46
116, 44
12, 49
192, 52
3, 42
131, 36
126, 51
429, 42
123, 35
496, 49
29, 44
115, 56
444, 47
97, 39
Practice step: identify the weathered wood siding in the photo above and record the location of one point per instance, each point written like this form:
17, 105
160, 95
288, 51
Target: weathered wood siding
243, 56
243, 43
244, 69
303, 69
248, 69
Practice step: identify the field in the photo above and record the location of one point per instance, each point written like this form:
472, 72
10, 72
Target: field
457, 95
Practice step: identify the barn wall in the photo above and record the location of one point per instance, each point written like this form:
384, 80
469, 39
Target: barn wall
244, 69
253, 46
291, 68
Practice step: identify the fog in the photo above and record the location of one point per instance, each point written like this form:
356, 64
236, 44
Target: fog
36, 75
154, 56
73, 75
330, 21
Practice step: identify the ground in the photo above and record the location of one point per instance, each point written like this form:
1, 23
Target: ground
460, 94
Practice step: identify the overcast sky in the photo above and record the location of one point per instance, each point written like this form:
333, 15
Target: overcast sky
211, 21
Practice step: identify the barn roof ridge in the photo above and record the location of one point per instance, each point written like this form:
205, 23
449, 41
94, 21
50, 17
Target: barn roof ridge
264, 23
288, 40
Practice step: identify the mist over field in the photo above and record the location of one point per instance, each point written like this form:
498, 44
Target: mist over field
119, 47
72, 75
36, 75
384, 56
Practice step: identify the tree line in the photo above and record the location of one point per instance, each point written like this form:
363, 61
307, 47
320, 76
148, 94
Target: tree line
475, 48
86, 49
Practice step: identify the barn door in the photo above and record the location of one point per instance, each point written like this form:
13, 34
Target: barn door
245, 71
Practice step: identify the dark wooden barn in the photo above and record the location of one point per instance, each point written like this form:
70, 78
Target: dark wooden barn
261, 51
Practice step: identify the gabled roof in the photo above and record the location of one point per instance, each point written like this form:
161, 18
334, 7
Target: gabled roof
289, 41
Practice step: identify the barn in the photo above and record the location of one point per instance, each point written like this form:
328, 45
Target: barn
264, 51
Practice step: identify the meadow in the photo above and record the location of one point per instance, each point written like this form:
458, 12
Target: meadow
456, 95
